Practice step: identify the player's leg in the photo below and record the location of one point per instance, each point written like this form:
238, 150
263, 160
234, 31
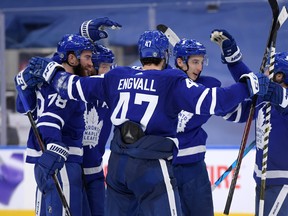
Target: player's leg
156, 188
86, 208
71, 181
194, 188
95, 190
275, 202
73, 186
40, 209
120, 200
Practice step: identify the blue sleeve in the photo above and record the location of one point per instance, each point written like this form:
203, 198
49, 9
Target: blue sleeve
208, 81
240, 113
87, 89
238, 69
30, 96
209, 101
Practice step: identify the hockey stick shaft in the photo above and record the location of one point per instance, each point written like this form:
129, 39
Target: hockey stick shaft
275, 10
281, 19
239, 159
231, 167
42, 147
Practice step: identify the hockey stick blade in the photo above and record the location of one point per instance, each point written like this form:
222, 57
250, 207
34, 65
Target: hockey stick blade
231, 167
275, 10
170, 34
42, 147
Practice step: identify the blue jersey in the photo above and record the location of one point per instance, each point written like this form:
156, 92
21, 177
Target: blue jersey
58, 120
192, 137
277, 167
151, 98
98, 128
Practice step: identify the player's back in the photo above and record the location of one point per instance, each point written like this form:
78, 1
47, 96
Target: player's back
145, 97
152, 98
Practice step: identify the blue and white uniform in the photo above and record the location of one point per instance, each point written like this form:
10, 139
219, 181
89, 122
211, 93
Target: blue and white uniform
153, 99
98, 129
276, 189
188, 160
58, 120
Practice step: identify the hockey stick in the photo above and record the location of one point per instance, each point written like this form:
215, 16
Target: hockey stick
231, 167
42, 147
275, 10
281, 19
170, 34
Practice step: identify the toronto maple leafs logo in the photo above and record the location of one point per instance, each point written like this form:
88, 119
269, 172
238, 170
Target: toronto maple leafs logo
92, 128
183, 118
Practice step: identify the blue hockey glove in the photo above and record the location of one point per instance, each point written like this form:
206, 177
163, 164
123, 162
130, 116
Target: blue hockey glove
49, 163
94, 29
24, 79
43, 69
257, 83
230, 52
277, 95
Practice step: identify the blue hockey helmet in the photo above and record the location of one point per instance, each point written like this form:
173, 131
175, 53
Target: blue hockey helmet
188, 47
73, 43
102, 54
281, 65
153, 44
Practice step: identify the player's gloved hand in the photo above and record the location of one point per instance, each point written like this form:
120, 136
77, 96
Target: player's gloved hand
25, 80
257, 83
230, 52
43, 69
52, 160
277, 95
94, 29
27, 89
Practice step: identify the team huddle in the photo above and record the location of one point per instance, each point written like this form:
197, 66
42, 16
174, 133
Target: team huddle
152, 117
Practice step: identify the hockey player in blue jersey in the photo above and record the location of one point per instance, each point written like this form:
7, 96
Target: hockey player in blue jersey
103, 60
98, 130
276, 189
189, 165
94, 31
59, 131
144, 106
188, 160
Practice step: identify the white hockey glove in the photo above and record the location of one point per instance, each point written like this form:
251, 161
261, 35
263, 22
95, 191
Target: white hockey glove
257, 83
230, 52
94, 29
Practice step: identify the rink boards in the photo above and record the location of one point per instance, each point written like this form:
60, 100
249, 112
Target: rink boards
18, 185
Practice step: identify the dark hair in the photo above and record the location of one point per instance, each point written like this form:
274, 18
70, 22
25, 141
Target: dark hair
150, 60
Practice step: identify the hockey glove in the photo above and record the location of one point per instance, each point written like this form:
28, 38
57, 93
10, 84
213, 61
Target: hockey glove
49, 163
230, 52
257, 83
44, 68
24, 79
277, 95
94, 29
